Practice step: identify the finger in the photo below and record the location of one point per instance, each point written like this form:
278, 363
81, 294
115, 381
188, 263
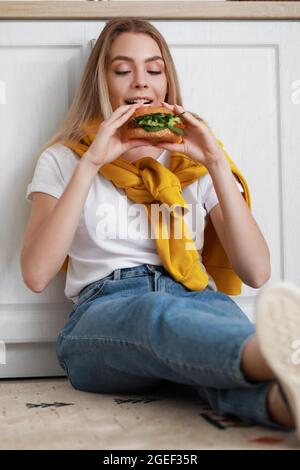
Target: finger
177, 109
167, 105
172, 106
129, 109
188, 117
124, 118
122, 111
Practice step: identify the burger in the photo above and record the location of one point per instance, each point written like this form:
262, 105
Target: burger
156, 124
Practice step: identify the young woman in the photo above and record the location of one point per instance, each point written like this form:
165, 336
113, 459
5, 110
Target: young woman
134, 322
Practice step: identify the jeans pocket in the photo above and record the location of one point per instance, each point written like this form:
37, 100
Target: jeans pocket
127, 286
91, 293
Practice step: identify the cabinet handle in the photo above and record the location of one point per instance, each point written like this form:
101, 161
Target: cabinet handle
92, 41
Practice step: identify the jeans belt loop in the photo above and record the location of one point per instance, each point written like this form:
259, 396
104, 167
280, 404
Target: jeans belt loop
117, 274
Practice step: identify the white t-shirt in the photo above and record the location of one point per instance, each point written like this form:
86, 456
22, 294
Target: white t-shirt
113, 231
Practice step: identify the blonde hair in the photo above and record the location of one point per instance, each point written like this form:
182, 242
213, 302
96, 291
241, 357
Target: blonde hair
91, 98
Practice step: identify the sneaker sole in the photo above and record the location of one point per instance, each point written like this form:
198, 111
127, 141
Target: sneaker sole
277, 319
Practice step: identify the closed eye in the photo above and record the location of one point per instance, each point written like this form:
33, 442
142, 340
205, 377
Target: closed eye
150, 71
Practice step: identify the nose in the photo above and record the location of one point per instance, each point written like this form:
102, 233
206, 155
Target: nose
140, 79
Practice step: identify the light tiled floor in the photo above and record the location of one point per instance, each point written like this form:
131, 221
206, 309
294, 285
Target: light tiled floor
51, 414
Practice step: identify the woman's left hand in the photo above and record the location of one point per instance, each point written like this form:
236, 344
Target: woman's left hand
198, 143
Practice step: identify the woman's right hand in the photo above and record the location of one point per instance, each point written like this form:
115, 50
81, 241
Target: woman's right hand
108, 144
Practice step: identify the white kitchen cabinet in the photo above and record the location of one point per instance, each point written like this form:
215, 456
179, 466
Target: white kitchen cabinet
243, 77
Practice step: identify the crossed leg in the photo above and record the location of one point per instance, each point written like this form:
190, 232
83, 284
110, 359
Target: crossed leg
255, 368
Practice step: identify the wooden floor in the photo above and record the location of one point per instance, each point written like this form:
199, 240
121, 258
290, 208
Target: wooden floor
51, 414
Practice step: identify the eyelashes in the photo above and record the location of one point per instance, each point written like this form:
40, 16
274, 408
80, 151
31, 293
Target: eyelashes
124, 73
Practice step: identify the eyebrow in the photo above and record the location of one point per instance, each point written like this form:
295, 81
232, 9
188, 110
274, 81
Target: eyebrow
130, 59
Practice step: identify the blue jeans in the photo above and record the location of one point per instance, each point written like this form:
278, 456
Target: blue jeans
138, 326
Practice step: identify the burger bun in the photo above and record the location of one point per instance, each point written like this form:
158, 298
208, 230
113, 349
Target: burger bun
164, 135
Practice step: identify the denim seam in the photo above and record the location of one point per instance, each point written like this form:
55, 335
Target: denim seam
88, 290
188, 367
237, 373
128, 343
182, 365
242, 409
109, 340
89, 295
134, 276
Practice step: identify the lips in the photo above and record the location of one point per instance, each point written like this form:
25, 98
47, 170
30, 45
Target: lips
140, 100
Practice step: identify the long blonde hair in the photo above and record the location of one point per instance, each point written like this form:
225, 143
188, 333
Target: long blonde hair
91, 98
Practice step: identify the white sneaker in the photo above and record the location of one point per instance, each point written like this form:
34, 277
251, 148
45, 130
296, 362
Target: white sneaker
277, 319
